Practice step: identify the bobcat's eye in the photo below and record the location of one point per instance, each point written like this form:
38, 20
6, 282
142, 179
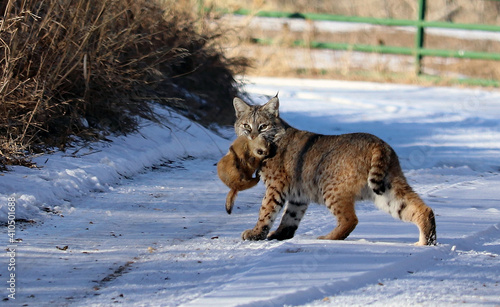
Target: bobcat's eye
263, 127
247, 127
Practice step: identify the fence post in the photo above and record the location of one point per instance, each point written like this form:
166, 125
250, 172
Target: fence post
419, 37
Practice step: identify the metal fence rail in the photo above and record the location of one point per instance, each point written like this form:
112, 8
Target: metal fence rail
418, 50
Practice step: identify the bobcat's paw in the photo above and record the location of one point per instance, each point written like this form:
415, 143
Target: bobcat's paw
252, 235
284, 233
329, 237
426, 243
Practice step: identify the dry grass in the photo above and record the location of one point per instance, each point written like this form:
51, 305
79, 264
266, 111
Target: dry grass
78, 69
460, 11
279, 60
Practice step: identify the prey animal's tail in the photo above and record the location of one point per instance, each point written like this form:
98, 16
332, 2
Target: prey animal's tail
243, 184
231, 196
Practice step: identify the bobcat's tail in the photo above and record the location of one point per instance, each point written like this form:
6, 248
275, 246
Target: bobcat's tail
231, 196
381, 157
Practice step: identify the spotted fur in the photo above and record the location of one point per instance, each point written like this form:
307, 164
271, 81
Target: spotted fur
334, 170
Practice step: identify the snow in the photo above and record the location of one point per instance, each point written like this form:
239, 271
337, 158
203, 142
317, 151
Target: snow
66, 175
140, 221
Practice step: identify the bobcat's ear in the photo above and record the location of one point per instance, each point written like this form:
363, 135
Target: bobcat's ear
272, 106
240, 106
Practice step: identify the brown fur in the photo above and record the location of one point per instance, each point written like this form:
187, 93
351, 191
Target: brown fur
334, 170
237, 167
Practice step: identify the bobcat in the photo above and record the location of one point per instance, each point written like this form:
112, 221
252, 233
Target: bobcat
334, 170
237, 167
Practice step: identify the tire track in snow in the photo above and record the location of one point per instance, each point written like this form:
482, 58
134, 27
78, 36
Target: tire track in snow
229, 267
419, 261
455, 184
481, 241
190, 235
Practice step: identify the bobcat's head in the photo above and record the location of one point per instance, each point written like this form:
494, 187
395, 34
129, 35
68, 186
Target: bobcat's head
263, 121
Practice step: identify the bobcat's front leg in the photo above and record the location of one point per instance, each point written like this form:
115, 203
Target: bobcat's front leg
271, 205
290, 221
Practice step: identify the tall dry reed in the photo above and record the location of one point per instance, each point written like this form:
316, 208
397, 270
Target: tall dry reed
85, 68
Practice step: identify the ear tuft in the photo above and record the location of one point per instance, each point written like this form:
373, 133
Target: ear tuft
272, 106
240, 106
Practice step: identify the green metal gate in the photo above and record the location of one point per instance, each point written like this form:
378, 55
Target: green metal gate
418, 50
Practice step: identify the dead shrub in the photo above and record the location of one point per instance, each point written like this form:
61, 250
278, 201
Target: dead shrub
85, 68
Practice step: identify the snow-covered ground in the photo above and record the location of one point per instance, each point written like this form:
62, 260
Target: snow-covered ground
141, 221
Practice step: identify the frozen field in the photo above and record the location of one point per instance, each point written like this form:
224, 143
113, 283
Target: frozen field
141, 221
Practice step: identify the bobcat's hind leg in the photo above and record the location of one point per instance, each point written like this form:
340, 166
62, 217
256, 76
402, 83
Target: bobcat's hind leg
417, 212
403, 203
290, 221
343, 209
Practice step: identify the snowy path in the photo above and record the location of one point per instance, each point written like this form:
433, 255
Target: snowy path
162, 237
151, 241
